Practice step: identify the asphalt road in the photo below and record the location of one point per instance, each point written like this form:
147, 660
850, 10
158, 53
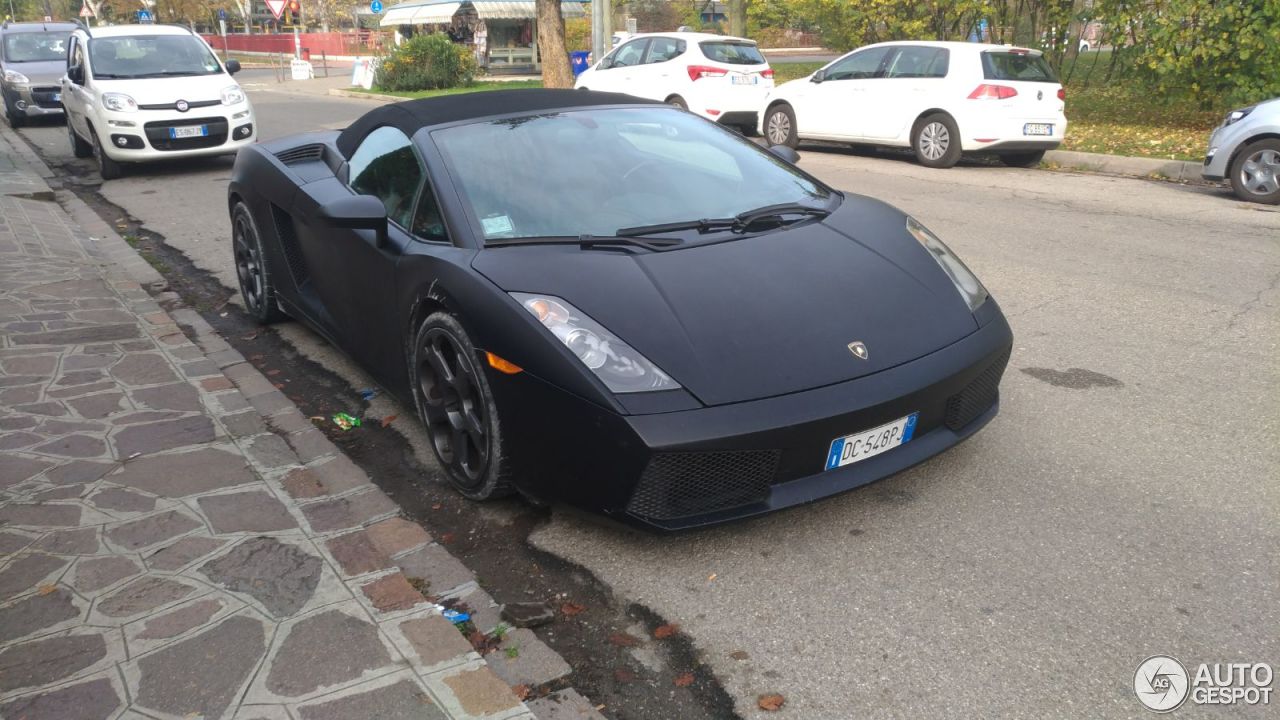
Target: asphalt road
1126, 501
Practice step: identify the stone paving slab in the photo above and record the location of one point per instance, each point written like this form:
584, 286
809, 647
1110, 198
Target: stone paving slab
178, 540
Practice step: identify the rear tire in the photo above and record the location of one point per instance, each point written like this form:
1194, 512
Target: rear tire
678, 101
109, 169
456, 406
1022, 159
780, 126
79, 147
256, 288
936, 141
1255, 173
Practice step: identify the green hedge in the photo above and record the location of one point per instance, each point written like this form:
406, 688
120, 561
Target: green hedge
426, 62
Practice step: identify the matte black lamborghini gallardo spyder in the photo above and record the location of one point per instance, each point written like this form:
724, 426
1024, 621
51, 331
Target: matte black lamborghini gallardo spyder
616, 304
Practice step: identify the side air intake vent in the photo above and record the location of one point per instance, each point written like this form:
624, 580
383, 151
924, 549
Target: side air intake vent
301, 154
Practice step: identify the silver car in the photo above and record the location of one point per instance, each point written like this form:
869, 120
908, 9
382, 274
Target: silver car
33, 59
1245, 150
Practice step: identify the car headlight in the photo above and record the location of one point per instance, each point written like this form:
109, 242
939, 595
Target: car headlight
15, 77
1237, 115
119, 102
617, 364
232, 95
966, 282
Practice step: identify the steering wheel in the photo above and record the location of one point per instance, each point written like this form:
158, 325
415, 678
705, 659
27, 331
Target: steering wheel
643, 163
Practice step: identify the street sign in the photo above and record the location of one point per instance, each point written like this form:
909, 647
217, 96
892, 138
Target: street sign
276, 7
144, 16
85, 11
222, 14
376, 6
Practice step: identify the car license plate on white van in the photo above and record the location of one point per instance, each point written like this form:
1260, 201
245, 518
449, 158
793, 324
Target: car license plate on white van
869, 443
189, 131
1037, 129
745, 80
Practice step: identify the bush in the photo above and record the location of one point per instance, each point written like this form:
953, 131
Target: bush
426, 62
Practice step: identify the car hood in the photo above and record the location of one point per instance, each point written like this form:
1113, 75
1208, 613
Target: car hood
166, 91
40, 73
759, 316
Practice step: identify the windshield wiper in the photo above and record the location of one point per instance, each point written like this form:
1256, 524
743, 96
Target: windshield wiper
587, 241
171, 73
740, 223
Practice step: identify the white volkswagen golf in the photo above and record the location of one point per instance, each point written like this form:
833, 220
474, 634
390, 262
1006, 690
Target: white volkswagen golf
135, 93
938, 98
724, 79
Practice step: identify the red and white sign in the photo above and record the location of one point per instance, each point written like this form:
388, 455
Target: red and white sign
276, 7
85, 11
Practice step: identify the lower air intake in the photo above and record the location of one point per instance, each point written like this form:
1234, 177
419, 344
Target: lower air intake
677, 485
978, 396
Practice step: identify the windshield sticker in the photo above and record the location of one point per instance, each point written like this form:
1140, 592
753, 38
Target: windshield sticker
497, 225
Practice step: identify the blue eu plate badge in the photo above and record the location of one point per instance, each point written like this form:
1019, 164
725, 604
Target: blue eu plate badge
869, 443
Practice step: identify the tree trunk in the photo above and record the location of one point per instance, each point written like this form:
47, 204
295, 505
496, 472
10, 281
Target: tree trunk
556, 72
738, 18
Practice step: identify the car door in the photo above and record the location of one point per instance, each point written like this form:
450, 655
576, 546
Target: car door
74, 95
912, 83
355, 277
620, 66
832, 105
658, 77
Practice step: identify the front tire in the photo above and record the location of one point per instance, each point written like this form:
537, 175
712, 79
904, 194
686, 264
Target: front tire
780, 126
1022, 159
256, 288
1255, 173
109, 169
936, 141
456, 405
79, 147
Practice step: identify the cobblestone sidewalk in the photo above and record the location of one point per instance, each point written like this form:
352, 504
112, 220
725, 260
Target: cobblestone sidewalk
178, 541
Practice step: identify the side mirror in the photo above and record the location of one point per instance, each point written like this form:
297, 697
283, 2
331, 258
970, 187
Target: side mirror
818, 76
785, 153
233, 67
357, 212
75, 74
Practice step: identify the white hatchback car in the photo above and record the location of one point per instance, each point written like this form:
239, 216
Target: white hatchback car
724, 79
938, 98
136, 93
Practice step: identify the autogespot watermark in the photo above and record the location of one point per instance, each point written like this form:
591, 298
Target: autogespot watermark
1163, 684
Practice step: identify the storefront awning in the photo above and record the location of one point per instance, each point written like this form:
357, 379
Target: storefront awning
431, 14
398, 16
521, 9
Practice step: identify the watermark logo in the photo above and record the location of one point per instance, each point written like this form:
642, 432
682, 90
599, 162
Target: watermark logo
1161, 683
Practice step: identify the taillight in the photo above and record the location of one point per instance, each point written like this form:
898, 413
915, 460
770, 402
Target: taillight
992, 92
697, 72
767, 73
1062, 94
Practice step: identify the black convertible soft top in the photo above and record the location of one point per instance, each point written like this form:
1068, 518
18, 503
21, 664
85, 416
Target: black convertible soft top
413, 115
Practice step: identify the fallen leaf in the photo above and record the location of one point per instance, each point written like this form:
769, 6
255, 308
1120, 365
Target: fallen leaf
711, 577
739, 655
662, 632
771, 702
683, 680
572, 608
623, 675
446, 538
437, 506
47, 588
521, 691
278, 386
273, 372
388, 420
622, 639
317, 418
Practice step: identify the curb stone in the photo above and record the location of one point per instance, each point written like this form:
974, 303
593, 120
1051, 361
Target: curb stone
317, 500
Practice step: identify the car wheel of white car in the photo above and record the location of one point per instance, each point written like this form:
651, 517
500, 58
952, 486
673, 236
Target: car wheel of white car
936, 141
109, 169
1255, 173
780, 126
678, 101
79, 148
1028, 159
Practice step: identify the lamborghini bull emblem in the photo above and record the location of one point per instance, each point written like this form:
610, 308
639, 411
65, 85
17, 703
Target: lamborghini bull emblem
858, 349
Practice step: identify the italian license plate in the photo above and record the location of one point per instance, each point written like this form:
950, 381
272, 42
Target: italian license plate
189, 131
745, 79
869, 443
1037, 129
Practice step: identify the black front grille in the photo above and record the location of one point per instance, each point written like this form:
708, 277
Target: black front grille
289, 243
302, 153
45, 97
174, 105
978, 396
158, 134
676, 485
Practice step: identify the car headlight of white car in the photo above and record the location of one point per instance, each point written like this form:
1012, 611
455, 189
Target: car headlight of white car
1236, 116
618, 365
970, 288
232, 95
119, 102
15, 78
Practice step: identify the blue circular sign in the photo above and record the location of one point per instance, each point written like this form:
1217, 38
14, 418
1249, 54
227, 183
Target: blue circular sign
222, 14
376, 6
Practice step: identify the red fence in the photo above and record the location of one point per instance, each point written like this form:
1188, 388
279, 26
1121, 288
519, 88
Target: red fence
331, 43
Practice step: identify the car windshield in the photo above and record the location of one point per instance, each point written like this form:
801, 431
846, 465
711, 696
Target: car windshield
138, 56
598, 171
732, 53
35, 47
1025, 66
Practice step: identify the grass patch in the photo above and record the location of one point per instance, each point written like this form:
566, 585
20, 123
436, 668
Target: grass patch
475, 87
782, 72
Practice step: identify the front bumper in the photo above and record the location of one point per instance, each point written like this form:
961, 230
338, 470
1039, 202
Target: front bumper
34, 100
1217, 158
682, 470
144, 135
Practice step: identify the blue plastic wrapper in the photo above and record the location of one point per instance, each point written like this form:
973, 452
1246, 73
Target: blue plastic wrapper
368, 394
455, 617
